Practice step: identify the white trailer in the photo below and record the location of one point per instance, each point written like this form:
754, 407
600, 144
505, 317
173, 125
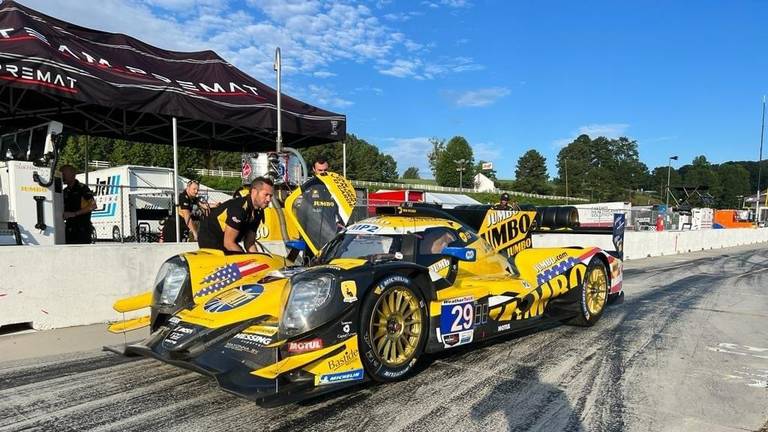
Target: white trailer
31, 202
132, 200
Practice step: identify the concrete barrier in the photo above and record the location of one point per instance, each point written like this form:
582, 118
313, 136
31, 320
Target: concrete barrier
643, 244
64, 286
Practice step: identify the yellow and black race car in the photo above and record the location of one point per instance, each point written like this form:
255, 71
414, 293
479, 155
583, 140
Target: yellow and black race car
377, 296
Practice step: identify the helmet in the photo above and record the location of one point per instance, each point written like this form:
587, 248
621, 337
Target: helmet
504, 197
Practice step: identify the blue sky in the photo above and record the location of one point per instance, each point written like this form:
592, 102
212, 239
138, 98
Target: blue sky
682, 78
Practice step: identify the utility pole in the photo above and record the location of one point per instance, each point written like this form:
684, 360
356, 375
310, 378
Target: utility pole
566, 181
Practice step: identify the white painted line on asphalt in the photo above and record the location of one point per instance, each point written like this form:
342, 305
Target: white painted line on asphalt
742, 350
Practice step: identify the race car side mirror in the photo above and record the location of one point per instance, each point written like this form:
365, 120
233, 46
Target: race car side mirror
460, 253
300, 245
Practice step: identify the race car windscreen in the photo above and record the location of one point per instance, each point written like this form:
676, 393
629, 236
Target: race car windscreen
318, 214
361, 246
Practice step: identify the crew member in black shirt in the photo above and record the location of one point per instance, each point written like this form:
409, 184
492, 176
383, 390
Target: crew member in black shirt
237, 220
78, 205
503, 203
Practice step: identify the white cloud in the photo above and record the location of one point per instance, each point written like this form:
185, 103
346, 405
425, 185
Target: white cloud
456, 3
410, 152
479, 97
486, 151
594, 130
421, 70
323, 74
324, 96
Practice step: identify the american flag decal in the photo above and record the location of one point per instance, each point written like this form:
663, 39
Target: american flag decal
227, 275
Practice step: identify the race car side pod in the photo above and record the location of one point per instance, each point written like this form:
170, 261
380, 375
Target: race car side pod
616, 231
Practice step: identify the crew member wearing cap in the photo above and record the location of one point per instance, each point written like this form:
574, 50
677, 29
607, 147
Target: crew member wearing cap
503, 203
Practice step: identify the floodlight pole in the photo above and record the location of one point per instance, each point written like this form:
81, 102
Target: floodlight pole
759, 163
669, 173
278, 70
176, 179
460, 163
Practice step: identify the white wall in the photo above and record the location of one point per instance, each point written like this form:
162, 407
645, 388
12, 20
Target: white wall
643, 244
62, 286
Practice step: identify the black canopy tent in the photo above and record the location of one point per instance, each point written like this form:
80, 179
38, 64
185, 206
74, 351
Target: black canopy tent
106, 84
113, 85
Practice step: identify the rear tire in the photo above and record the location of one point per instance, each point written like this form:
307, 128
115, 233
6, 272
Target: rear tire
393, 326
593, 294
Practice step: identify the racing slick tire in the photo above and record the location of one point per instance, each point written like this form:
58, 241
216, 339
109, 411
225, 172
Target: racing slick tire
593, 294
394, 324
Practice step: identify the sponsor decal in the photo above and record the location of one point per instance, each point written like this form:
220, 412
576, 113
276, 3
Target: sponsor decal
226, 275
299, 347
503, 229
349, 291
174, 320
347, 358
346, 327
255, 338
391, 279
549, 262
363, 228
321, 203
504, 327
353, 375
177, 335
556, 270
440, 265
457, 321
233, 298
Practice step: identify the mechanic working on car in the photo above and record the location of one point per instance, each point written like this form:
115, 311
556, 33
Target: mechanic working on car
78, 205
188, 199
237, 220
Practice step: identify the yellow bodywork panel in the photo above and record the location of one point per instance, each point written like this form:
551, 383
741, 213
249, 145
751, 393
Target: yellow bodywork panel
128, 325
128, 304
239, 304
314, 357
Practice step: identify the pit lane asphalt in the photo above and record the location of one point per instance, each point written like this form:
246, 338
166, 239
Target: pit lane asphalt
686, 351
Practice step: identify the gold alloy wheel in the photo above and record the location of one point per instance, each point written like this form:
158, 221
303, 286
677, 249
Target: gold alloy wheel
596, 290
396, 326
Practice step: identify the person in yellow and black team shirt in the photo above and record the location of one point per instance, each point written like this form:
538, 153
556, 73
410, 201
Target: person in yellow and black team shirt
78, 205
237, 220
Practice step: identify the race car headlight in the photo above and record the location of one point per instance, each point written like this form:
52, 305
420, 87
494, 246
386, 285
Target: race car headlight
170, 280
310, 292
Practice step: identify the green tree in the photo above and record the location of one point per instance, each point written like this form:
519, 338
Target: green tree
434, 156
701, 176
364, 160
602, 169
455, 150
657, 181
412, 173
734, 182
531, 173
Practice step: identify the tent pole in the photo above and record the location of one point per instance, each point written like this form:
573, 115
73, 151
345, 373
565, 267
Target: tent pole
278, 67
87, 141
176, 179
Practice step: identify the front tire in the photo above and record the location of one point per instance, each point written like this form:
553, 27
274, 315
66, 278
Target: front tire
593, 295
394, 324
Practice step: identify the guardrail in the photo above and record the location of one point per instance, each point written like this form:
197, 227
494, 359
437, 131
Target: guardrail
216, 173
435, 188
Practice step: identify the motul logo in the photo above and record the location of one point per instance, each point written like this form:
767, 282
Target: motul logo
304, 346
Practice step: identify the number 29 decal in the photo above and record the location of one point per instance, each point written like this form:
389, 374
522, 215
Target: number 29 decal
457, 315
